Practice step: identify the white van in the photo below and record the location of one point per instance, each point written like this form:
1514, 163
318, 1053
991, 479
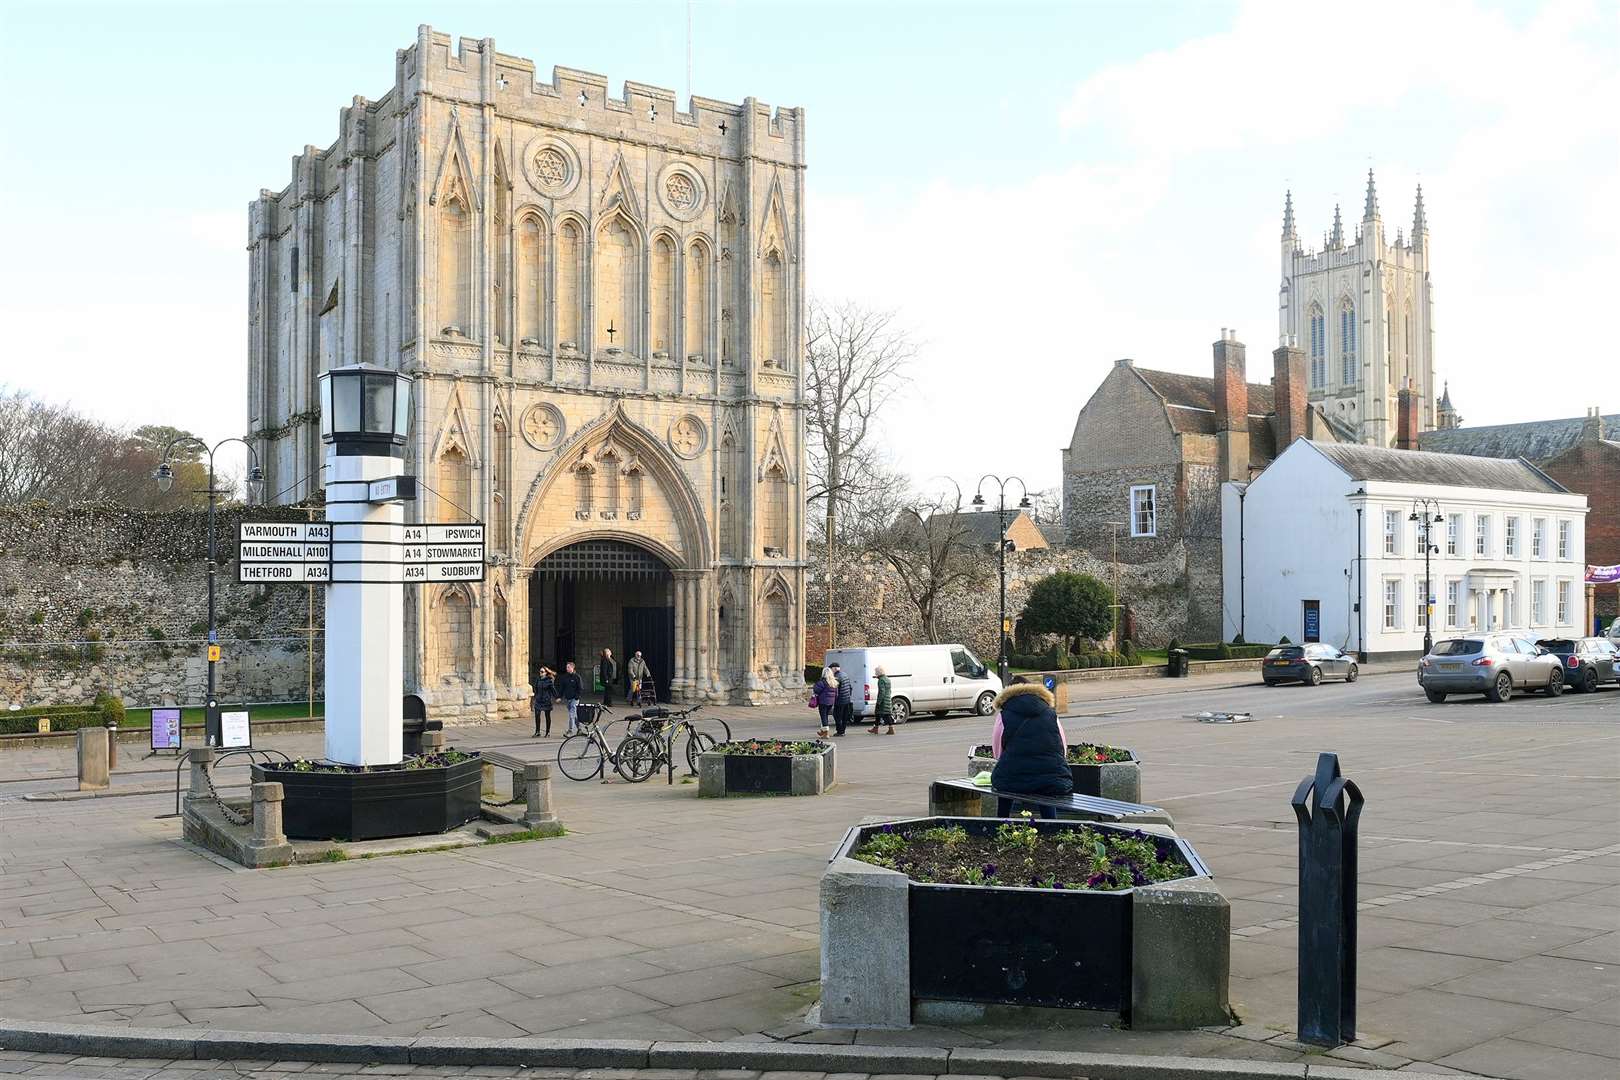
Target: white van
923, 679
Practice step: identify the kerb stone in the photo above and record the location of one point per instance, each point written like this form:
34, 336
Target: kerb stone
1180, 955
865, 946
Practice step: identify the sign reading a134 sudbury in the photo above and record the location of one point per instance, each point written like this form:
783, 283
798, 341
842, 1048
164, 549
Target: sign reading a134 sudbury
382, 552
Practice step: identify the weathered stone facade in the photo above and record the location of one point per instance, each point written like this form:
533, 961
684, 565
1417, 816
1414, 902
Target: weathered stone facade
602, 300
107, 598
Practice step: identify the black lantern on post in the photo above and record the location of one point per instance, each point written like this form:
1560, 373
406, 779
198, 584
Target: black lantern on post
365, 410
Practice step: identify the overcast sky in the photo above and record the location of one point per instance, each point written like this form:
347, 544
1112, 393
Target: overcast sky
1036, 189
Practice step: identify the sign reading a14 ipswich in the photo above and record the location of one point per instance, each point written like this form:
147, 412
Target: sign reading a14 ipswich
292, 552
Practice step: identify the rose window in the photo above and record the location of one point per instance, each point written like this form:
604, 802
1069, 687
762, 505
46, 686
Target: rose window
551, 167
682, 192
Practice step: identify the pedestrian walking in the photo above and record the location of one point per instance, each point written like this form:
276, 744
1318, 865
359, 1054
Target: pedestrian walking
883, 710
824, 695
607, 670
638, 671
569, 688
843, 702
545, 696
1028, 742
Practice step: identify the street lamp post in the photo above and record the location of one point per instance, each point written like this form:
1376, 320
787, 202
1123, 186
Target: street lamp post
164, 475
1115, 526
1001, 553
1426, 512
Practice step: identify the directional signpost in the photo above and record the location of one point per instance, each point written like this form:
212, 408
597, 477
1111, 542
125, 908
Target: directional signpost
380, 552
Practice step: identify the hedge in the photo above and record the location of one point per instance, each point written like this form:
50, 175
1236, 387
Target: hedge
19, 724
1223, 651
812, 672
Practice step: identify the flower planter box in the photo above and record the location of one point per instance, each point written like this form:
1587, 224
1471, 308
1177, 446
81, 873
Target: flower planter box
1120, 780
383, 802
1158, 954
721, 774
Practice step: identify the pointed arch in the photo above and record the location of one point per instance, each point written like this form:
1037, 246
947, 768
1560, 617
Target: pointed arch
584, 474
454, 460
609, 464
1318, 357
571, 282
450, 642
455, 198
658, 465
661, 292
729, 617
617, 289
697, 282
776, 623
1348, 360
634, 489
619, 192
501, 638
500, 495
532, 274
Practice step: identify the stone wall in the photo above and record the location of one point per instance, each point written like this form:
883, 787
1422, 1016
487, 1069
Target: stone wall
874, 609
108, 598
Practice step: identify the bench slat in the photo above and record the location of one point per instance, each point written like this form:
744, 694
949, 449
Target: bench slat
1093, 803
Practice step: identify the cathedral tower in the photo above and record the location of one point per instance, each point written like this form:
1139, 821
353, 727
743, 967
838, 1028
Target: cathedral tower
1362, 309
602, 301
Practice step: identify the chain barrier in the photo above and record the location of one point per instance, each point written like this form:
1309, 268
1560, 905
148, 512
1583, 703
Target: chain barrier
231, 814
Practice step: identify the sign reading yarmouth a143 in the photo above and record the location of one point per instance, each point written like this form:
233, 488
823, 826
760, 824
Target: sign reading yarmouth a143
359, 551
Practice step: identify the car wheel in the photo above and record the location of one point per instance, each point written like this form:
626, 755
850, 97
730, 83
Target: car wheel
900, 710
1501, 689
1353, 674
1555, 682
1589, 683
1436, 696
1315, 677
986, 705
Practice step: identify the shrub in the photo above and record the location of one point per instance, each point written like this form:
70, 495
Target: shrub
1073, 605
111, 708
1130, 653
37, 618
86, 617
1223, 651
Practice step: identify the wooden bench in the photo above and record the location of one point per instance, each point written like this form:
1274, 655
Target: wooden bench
956, 796
494, 759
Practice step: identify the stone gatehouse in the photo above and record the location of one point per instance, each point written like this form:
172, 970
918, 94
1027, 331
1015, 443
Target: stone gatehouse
602, 301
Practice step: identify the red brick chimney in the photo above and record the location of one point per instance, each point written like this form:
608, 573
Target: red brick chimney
1288, 390
1231, 406
1406, 418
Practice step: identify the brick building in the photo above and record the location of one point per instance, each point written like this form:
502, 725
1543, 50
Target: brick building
1582, 454
1142, 473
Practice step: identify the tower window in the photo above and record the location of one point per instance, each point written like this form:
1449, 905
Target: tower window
1318, 348
1347, 343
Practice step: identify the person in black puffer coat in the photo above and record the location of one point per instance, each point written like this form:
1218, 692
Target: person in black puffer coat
1033, 759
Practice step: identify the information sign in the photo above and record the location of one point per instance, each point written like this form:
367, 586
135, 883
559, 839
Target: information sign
213, 654
234, 731
165, 729
379, 552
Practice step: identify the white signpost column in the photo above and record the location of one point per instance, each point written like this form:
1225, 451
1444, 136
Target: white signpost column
365, 615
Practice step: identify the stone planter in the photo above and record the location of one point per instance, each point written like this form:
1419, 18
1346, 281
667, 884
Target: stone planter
376, 804
1120, 780
1159, 954
720, 775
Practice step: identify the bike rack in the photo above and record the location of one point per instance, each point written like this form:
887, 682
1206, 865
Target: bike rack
250, 751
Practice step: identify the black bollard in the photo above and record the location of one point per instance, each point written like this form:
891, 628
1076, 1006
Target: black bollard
1327, 806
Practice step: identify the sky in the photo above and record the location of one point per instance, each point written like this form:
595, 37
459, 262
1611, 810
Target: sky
1035, 189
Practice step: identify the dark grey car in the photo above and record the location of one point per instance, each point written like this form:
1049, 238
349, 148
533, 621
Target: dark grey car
1307, 664
1491, 664
1588, 662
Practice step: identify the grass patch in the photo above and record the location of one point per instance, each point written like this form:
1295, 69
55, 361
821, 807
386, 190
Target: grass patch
284, 710
521, 837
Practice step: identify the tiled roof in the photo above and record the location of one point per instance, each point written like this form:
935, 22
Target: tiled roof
1198, 392
1536, 440
1449, 470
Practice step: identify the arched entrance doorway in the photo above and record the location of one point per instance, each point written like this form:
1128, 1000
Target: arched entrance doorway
603, 594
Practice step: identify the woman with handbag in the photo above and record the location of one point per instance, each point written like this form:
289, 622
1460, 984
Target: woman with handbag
822, 697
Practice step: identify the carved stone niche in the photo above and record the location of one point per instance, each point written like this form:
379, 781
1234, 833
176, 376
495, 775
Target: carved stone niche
697, 358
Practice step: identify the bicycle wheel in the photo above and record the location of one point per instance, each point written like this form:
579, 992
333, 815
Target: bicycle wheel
580, 757
636, 759
697, 742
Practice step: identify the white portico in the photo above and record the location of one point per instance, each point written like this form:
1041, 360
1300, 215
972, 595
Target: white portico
1322, 546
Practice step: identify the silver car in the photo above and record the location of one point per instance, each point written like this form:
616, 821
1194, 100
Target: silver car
1491, 664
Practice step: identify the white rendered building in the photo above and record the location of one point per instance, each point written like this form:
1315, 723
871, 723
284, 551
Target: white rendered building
1362, 309
1320, 547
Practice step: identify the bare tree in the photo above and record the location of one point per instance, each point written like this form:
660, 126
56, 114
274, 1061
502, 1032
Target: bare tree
926, 540
855, 361
1046, 506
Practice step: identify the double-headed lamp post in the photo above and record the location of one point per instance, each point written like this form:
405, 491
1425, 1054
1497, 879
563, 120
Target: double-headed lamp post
1426, 512
1001, 553
164, 475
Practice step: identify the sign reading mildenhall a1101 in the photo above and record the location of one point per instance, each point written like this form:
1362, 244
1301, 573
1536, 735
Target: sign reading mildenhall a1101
360, 552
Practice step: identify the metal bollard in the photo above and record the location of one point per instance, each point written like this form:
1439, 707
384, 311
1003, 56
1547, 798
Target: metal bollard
202, 759
537, 786
112, 747
1328, 806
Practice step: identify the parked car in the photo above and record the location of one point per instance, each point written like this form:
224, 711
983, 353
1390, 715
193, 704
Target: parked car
1491, 664
923, 678
1588, 662
1307, 664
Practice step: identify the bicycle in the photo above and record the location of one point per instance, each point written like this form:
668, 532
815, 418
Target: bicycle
585, 755
660, 726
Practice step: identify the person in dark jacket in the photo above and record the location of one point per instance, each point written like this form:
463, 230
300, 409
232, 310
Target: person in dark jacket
826, 697
1033, 760
545, 696
883, 708
843, 702
607, 670
570, 688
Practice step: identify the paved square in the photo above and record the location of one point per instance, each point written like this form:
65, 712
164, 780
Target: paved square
1490, 888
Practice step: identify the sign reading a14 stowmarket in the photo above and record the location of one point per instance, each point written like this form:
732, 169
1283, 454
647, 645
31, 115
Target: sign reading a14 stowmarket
366, 552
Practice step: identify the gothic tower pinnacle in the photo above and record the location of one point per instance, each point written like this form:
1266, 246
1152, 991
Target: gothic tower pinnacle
1370, 213
1288, 215
1420, 224
1337, 239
